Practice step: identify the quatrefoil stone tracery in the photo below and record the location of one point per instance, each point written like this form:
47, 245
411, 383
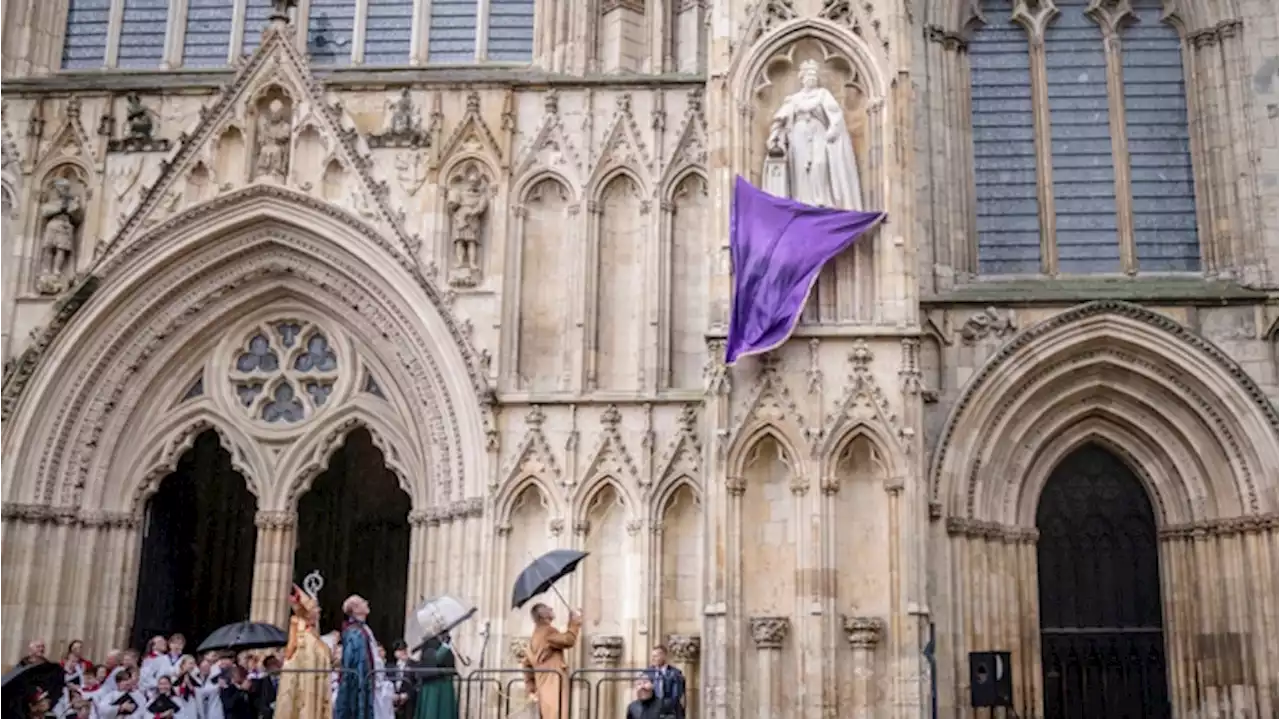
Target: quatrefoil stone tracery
284, 372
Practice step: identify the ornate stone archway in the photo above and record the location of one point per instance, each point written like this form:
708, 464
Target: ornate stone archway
1195, 430
119, 391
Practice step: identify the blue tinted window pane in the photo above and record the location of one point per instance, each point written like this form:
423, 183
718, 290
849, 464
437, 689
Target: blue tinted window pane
257, 13
453, 31
1004, 150
1155, 113
208, 36
390, 25
1084, 177
510, 31
85, 46
142, 29
329, 31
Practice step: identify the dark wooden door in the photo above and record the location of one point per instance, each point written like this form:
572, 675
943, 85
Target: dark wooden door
1102, 639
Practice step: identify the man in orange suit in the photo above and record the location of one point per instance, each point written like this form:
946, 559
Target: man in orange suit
550, 689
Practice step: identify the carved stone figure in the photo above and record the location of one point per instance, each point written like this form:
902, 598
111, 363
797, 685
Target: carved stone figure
62, 214
274, 131
402, 118
468, 204
280, 9
405, 129
138, 120
810, 153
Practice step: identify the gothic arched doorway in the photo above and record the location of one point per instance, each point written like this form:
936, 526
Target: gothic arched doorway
353, 526
198, 542
1102, 637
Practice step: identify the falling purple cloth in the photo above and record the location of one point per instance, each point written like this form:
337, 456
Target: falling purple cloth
777, 247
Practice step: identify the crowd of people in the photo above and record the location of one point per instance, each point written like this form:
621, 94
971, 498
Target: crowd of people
344, 675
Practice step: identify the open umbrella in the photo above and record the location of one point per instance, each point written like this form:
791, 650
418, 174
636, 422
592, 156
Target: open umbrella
241, 636
542, 573
435, 617
21, 682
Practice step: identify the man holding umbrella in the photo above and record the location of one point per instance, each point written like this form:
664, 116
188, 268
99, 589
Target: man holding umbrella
546, 652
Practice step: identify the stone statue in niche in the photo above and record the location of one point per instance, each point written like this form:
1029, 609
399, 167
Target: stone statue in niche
62, 213
138, 119
140, 126
405, 129
275, 128
468, 204
809, 154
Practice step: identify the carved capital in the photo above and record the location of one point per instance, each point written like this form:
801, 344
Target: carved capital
863, 632
769, 632
555, 526
990, 322
606, 651
275, 519
684, 648
735, 486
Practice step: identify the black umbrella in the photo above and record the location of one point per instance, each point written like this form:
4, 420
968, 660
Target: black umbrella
242, 636
22, 682
542, 573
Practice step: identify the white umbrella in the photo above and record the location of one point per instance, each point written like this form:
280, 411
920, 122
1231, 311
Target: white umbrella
434, 617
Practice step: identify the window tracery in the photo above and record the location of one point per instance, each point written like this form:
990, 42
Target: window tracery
285, 372
1096, 175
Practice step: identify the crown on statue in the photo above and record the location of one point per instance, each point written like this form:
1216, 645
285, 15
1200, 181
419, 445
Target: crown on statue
313, 583
809, 66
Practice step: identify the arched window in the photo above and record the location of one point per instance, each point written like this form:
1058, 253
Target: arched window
1082, 163
154, 34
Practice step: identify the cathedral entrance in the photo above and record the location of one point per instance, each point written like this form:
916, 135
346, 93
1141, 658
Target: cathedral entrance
196, 569
1102, 639
353, 526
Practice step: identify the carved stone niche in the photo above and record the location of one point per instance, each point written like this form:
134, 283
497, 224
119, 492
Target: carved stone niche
781, 78
468, 197
273, 134
64, 196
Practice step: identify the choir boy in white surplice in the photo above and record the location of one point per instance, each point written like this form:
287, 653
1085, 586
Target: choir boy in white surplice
127, 701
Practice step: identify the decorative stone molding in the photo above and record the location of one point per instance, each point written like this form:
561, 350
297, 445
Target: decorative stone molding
404, 129
769, 632
1222, 527
863, 632
990, 322
68, 516
18, 373
977, 529
275, 519
606, 651
684, 648
1234, 379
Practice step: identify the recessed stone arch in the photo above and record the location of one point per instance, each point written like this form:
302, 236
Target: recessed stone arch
511, 492
588, 491
740, 452
96, 370
309, 456
886, 451
664, 491
1140, 370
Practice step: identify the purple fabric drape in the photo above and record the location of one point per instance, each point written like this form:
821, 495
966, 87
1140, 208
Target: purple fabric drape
777, 247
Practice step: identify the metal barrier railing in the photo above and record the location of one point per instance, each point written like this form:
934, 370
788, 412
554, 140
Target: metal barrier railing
482, 693
610, 684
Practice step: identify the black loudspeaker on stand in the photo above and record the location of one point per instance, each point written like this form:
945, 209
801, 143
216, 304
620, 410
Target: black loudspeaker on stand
990, 680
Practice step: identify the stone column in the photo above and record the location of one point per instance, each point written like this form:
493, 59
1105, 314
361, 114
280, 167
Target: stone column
273, 566
863, 634
768, 633
684, 651
606, 653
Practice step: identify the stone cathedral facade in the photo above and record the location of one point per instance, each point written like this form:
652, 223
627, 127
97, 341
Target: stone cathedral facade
273, 254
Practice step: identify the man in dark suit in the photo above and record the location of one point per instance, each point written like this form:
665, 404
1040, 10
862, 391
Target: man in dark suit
668, 684
236, 693
266, 687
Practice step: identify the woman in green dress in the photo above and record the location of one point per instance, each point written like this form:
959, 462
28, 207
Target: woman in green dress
436, 697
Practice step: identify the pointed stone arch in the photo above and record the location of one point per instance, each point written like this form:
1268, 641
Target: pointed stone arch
505, 502
596, 188
855, 49
591, 489
741, 454
158, 456
224, 257
310, 455
1126, 372
885, 453
666, 490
